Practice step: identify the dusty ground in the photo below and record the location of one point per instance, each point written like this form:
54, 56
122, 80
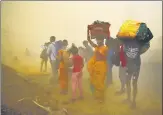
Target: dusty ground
16, 87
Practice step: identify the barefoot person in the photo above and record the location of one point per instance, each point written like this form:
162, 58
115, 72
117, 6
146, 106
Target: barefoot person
97, 67
78, 64
63, 67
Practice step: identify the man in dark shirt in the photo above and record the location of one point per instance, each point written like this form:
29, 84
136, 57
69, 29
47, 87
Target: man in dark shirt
132, 51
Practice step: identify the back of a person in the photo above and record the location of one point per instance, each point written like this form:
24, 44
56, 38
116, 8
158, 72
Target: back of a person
77, 63
132, 52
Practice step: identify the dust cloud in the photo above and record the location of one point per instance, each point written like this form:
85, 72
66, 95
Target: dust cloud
30, 24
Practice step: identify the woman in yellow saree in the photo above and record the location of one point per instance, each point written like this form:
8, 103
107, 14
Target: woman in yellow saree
97, 67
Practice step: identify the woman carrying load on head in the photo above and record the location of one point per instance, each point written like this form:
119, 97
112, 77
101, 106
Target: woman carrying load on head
97, 66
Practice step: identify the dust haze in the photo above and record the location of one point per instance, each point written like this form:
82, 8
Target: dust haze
30, 24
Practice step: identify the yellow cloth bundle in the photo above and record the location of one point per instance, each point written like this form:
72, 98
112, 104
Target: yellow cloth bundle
129, 29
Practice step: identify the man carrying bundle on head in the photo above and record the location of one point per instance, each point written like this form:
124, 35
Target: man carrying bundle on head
97, 65
111, 59
135, 37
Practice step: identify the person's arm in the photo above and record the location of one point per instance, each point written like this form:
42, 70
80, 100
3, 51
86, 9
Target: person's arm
89, 39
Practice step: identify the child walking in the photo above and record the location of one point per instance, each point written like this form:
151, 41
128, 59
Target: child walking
78, 64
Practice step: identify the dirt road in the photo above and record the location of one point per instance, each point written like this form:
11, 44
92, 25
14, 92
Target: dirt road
15, 89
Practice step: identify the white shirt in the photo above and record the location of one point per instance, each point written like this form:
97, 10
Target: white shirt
51, 51
44, 47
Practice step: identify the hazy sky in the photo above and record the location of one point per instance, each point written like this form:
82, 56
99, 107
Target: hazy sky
34, 22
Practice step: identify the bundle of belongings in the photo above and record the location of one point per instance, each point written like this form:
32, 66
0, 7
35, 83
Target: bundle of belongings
135, 30
99, 28
134, 38
138, 31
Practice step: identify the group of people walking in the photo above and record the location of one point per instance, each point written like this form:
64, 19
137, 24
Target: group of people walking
99, 62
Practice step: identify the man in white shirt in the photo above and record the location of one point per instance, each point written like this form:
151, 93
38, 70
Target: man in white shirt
52, 53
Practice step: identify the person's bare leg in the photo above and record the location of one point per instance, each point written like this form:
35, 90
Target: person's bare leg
128, 87
128, 84
122, 90
134, 83
74, 86
42, 62
80, 85
135, 87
